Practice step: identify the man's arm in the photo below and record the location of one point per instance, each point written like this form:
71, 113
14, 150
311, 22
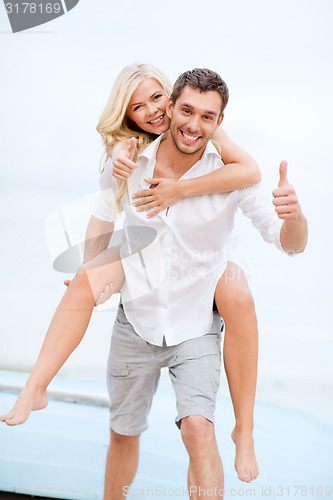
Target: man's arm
291, 236
294, 232
98, 236
105, 213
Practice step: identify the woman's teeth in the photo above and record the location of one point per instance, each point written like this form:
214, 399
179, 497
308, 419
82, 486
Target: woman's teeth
157, 120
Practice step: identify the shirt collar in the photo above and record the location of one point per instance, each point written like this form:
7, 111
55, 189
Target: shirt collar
211, 149
151, 150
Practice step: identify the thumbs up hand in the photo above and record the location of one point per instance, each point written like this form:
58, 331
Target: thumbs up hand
131, 148
283, 181
122, 157
284, 197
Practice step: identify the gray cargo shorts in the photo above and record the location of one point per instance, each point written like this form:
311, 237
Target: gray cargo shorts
133, 374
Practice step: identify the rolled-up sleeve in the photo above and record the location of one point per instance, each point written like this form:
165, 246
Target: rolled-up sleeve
104, 206
256, 205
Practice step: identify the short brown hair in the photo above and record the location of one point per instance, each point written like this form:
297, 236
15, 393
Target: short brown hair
203, 80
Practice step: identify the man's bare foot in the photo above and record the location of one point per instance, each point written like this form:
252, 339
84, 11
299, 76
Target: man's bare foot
28, 400
245, 462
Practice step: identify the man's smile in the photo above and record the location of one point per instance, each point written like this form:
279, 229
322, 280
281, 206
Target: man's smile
189, 139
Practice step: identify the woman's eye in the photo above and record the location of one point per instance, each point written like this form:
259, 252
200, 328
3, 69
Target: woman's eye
137, 107
157, 97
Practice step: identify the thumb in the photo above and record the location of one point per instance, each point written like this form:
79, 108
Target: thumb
283, 181
132, 147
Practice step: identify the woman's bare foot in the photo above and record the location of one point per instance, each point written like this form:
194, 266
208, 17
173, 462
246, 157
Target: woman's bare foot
245, 462
28, 400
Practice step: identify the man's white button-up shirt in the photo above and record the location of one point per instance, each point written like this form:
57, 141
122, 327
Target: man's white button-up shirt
173, 261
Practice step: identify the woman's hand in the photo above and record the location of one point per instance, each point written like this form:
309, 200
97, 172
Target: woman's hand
163, 193
122, 156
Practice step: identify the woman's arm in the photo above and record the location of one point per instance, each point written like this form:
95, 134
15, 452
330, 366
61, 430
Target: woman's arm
240, 170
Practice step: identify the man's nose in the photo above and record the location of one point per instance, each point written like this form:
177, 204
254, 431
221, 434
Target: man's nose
193, 123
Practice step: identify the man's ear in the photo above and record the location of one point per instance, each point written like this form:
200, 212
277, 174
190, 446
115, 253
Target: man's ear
220, 120
169, 108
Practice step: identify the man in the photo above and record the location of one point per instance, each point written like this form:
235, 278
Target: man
166, 316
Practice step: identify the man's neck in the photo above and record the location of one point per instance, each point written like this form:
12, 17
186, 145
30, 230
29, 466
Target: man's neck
170, 162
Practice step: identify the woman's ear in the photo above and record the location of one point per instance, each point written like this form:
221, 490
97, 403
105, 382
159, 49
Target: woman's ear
169, 108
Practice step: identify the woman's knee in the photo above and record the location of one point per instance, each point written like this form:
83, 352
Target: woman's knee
81, 276
242, 299
234, 296
80, 284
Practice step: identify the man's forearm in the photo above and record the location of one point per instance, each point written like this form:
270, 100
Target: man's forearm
98, 236
294, 234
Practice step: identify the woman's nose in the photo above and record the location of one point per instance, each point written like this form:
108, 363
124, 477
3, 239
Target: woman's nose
151, 108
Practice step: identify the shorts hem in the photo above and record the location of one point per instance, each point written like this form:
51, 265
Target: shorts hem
190, 413
127, 431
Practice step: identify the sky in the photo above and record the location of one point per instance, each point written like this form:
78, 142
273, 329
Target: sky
56, 78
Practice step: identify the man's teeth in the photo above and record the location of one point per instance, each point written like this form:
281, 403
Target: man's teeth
191, 138
159, 119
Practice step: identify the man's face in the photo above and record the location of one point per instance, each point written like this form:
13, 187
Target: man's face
194, 119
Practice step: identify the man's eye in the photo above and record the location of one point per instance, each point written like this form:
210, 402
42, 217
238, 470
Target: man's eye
207, 117
186, 111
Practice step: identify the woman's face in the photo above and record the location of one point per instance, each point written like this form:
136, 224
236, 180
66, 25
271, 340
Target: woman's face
147, 107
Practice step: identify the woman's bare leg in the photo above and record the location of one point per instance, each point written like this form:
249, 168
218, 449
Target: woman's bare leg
235, 304
66, 330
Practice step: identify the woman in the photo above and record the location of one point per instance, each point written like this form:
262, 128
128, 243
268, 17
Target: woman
136, 107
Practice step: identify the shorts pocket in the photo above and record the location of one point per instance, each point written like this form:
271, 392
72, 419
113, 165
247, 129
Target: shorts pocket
118, 368
121, 318
196, 349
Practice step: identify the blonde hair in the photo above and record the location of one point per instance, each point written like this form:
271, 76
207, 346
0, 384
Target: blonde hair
113, 124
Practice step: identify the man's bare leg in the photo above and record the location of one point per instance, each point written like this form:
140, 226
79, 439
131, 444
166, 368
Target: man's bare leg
66, 330
121, 465
205, 469
235, 304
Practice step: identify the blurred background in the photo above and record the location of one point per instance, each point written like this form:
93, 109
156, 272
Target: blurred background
276, 58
